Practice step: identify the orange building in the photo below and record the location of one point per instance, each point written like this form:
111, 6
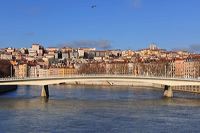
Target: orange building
179, 68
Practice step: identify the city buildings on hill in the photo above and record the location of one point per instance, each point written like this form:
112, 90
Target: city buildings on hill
38, 61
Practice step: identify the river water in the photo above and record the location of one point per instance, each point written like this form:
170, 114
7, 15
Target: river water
98, 109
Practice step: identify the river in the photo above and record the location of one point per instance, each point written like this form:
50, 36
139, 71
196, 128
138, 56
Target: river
101, 109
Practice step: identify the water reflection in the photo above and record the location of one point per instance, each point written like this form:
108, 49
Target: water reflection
98, 109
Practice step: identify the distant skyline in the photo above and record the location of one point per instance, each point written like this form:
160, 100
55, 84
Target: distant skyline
116, 24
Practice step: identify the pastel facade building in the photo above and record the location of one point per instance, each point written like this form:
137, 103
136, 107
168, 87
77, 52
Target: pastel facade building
191, 69
187, 68
21, 70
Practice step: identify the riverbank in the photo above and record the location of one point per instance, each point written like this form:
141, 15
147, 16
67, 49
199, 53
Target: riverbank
7, 88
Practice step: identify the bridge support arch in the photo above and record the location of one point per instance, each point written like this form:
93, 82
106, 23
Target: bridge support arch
168, 91
45, 91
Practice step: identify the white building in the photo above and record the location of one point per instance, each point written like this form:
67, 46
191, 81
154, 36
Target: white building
6, 56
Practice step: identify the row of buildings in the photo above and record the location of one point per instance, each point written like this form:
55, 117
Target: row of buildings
38, 61
24, 70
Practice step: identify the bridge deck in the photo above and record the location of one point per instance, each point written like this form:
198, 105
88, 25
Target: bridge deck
173, 82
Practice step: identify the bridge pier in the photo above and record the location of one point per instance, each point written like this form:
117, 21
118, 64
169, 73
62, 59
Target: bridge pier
45, 91
168, 91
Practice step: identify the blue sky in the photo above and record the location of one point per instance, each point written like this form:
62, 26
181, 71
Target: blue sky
125, 24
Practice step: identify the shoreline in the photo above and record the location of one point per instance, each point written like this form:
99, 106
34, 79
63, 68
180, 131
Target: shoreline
7, 88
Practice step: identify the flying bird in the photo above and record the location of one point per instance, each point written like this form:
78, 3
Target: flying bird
93, 6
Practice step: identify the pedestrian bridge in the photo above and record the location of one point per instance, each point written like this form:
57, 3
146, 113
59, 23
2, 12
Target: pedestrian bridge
168, 83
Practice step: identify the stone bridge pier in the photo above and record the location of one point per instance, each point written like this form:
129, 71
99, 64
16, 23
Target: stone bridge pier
45, 91
168, 92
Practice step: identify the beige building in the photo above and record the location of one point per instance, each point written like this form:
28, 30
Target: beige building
127, 53
191, 69
33, 71
188, 68
21, 70
6, 56
43, 73
61, 72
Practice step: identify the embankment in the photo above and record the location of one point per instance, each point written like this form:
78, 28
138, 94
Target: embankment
7, 88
